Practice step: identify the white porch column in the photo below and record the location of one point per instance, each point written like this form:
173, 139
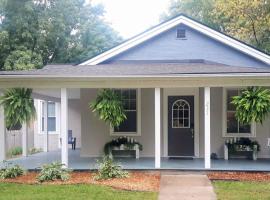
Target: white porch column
2, 134
24, 139
64, 126
157, 127
46, 137
207, 147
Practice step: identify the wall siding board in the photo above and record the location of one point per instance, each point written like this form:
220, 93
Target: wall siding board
166, 47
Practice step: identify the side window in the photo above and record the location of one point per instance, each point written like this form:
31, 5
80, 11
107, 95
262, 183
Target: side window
51, 116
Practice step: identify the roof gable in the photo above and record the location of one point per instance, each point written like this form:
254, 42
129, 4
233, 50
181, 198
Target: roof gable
137, 40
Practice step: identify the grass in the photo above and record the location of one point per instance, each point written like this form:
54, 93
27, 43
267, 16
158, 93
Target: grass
12, 191
237, 190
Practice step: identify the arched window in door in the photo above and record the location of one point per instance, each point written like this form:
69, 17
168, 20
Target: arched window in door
180, 114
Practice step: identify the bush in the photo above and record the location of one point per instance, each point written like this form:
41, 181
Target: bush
53, 171
11, 171
15, 151
35, 150
108, 169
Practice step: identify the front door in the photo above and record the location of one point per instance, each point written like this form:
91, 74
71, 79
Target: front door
180, 126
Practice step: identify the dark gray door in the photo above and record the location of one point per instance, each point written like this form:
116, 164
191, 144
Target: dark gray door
181, 126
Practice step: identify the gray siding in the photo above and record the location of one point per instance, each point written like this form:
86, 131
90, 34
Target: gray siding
196, 46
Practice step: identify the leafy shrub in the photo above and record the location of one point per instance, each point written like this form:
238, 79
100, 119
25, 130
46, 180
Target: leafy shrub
11, 171
35, 150
15, 151
53, 171
108, 169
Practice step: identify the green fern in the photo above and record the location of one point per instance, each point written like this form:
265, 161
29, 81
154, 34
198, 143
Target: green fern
109, 107
252, 105
19, 107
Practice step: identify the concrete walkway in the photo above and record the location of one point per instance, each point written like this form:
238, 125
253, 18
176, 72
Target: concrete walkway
186, 187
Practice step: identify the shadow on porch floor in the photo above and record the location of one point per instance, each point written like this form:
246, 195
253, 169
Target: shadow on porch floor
81, 163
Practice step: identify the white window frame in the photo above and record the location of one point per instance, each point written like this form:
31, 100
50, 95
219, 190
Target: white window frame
138, 107
224, 118
39, 118
183, 118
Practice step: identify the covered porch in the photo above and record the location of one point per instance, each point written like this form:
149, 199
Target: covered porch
205, 130
76, 162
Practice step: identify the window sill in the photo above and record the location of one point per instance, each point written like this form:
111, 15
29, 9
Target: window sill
50, 133
238, 135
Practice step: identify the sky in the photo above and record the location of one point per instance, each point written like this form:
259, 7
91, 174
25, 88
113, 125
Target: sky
130, 17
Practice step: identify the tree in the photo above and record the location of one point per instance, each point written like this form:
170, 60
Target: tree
198, 9
252, 105
18, 107
109, 107
36, 32
247, 20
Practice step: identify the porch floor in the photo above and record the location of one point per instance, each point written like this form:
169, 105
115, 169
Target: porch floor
82, 163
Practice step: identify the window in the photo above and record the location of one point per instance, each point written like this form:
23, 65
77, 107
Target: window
232, 127
180, 114
181, 34
51, 116
131, 103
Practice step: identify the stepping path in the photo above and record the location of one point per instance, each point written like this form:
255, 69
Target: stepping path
186, 187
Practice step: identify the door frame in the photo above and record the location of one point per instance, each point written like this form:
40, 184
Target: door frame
181, 92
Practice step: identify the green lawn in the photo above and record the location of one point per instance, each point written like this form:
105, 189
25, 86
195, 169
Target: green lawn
236, 190
10, 191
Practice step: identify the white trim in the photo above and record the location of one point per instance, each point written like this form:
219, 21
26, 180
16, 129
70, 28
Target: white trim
157, 128
207, 130
64, 126
170, 24
139, 118
224, 118
182, 92
39, 118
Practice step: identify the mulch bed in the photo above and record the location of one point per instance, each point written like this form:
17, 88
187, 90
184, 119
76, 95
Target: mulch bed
239, 176
137, 181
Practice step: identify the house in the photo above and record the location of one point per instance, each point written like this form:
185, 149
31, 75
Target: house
177, 79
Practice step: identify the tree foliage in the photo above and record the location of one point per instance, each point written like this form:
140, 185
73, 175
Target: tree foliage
252, 105
247, 20
18, 106
109, 107
36, 32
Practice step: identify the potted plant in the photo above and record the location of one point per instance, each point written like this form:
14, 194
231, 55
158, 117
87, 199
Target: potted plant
18, 106
252, 105
109, 107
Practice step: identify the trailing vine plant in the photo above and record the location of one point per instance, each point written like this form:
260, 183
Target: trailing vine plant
18, 107
252, 105
109, 107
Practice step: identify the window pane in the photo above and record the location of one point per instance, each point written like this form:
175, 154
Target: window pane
51, 124
230, 94
132, 104
244, 128
42, 124
232, 123
186, 121
51, 109
130, 124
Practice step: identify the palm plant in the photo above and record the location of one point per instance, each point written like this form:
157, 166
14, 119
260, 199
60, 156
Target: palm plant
108, 105
252, 105
19, 107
